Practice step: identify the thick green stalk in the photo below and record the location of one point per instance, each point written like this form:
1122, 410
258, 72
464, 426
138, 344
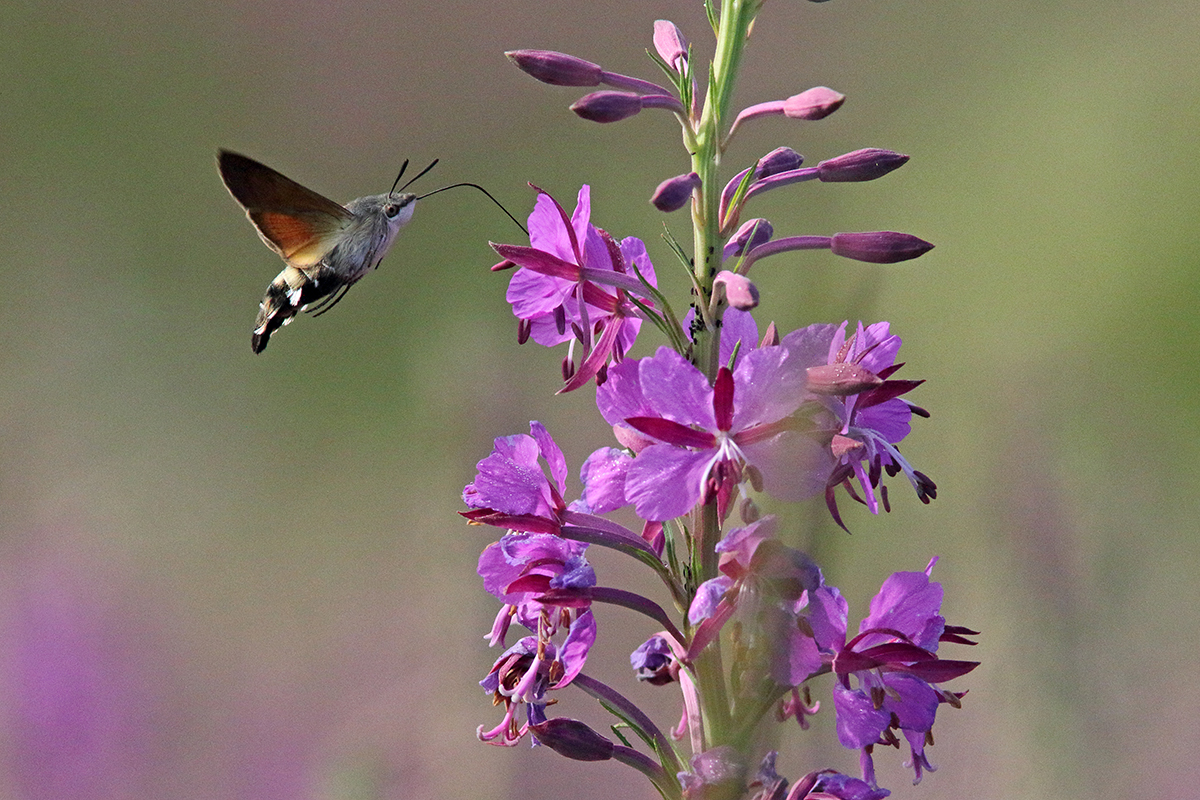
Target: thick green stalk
736, 17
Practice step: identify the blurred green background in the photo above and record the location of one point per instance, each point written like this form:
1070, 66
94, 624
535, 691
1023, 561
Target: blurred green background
229, 576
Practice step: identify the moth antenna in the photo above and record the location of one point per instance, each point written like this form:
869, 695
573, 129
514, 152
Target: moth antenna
419, 174
485, 191
403, 167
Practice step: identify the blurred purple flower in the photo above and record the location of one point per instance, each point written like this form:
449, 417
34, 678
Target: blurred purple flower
868, 425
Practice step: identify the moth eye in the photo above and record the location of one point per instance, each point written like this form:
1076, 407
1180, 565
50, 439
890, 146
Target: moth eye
391, 209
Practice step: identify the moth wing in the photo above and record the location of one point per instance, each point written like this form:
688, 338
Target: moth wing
294, 221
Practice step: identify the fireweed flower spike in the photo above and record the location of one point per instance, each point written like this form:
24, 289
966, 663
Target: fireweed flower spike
750, 634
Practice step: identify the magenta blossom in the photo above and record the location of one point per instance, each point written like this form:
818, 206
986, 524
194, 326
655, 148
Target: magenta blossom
510, 489
522, 567
886, 674
574, 285
704, 439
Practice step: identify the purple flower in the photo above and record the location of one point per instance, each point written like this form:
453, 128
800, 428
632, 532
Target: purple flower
868, 425
886, 673
574, 283
510, 489
522, 567
710, 438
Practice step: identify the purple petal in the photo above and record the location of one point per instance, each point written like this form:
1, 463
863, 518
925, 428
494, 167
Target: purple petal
573, 652
910, 603
664, 481
827, 616
621, 395
551, 453
603, 476
510, 480
736, 326
859, 723
677, 390
796, 656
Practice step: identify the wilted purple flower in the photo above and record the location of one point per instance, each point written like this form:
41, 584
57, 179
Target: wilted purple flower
510, 489
886, 673
709, 436
521, 677
573, 285
654, 661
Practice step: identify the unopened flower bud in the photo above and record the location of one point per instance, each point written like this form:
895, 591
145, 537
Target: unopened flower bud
607, 106
670, 43
752, 233
611, 106
879, 247
557, 69
740, 292
861, 165
781, 159
673, 193
840, 379
573, 739
812, 104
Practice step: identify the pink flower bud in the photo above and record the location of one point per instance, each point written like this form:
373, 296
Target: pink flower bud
670, 43
816, 103
740, 292
861, 165
879, 247
557, 69
673, 193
